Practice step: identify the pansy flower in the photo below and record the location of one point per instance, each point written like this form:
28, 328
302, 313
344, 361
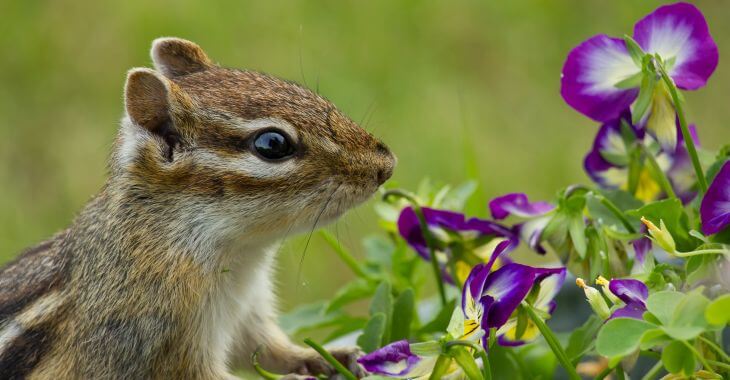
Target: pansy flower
519, 205
633, 293
601, 79
448, 227
396, 360
607, 162
549, 282
715, 207
489, 299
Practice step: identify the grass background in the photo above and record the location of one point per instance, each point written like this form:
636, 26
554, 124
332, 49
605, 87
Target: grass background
433, 79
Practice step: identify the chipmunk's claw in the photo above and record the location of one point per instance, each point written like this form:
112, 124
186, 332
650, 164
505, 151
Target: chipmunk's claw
316, 365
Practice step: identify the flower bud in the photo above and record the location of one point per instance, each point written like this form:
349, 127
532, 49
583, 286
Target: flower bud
598, 304
660, 236
606, 291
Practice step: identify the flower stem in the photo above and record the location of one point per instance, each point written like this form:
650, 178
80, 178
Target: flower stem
260, 370
330, 359
722, 365
654, 371
688, 141
702, 252
616, 211
698, 355
715, 347
426, 235
659, 173
345, 256
552, 342
486, 368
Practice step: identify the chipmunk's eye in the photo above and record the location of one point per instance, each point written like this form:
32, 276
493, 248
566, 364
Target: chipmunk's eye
273, 145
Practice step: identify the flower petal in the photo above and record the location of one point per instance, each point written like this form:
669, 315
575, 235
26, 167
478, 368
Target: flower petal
590, 75
517, 204
641, 247
550, 281
531, 232
395, 359
603, 172
473, 286
715, 208
507, 286
679, 33
629, 290
631, 310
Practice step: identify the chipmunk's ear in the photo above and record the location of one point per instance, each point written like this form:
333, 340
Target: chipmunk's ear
147, 98
174, 57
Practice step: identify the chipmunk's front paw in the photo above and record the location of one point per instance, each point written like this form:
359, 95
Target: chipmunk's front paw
314, 364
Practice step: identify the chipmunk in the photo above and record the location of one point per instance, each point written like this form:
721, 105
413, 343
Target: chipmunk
166, 272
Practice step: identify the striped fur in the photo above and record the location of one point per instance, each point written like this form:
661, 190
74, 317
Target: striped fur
167, 272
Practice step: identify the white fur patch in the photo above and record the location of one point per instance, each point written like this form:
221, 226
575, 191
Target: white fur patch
8, 333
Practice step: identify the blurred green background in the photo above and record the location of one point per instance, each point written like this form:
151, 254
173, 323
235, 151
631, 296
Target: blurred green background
433, 79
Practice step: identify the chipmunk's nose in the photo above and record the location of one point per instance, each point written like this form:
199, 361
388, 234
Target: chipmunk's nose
387, 163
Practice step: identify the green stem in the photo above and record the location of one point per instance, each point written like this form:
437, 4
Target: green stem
440, 368
659, 174
654, 371
260, 370
552, 342
616, 211
702, 252
698, 355
426, 235
620, 375
330, 359
606, 371
722, 365
688, 141
715, 347
345, 256
486, 368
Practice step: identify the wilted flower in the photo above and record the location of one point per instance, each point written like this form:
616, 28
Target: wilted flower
595, 299
452, 227
397, 360
608, 161
715, 208
519, 205
601, 78
489, 299
660, 235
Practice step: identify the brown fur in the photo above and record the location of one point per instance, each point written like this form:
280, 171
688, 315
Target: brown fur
139, 285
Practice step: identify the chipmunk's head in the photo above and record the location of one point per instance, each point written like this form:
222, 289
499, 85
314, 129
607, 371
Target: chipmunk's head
240, 149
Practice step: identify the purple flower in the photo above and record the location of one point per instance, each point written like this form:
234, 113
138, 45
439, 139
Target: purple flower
641, 246
678, 33
607, 162
490, 298
633, 293
715, 207
443, 224
518, 204
396, 360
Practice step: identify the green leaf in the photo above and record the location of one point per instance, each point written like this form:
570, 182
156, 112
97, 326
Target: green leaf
378, 250
345, 327
677, 358
635, 51
621, 336
581, 340
643, 101
402, 316
662, 304
382, 303
456, 324
372, 335
466, 362
429, 348
577, 230
653, 338
633, 81
457, 197
718, 311
603, 215
441, 321
688, 320
351, 292
308, 317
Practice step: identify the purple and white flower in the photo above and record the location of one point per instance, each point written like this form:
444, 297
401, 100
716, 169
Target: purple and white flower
489, 299
444, 225
519, 205
633, 293
607, 162
715, 207
396, 360
600, 78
